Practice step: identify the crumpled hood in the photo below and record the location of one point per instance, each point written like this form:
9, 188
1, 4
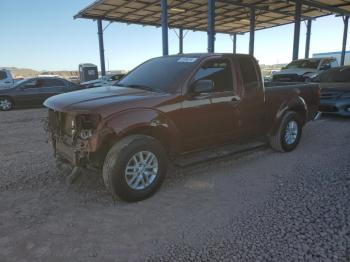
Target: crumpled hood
104, 100
297, 71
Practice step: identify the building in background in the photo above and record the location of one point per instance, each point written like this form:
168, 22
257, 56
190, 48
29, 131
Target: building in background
337, 55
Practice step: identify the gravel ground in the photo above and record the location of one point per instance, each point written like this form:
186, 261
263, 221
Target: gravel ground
260, 206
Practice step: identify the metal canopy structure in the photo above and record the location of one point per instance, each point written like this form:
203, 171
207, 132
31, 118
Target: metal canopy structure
231, 16
216, 16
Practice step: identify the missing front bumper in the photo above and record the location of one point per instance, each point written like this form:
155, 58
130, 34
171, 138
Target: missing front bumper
72, 155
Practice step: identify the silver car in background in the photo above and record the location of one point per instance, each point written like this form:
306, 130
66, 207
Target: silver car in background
103, 81
304, 69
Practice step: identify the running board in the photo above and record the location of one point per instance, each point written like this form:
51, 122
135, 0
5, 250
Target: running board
217, 153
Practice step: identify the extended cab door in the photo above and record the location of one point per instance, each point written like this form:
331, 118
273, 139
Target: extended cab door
252, 106
210, 118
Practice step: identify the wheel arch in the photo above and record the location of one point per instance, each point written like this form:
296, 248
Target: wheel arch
147, 122
10, 98
297, 105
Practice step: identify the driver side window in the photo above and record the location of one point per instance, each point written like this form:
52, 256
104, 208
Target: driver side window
218, 71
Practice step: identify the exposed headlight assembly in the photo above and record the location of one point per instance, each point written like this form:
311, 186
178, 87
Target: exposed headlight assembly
86, 124
85, 134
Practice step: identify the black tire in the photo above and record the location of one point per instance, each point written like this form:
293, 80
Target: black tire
9, 104
116, 162
278, 140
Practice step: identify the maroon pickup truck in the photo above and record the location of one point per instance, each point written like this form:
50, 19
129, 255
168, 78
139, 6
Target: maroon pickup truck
171, 106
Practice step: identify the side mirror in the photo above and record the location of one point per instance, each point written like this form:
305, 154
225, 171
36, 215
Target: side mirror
202, 86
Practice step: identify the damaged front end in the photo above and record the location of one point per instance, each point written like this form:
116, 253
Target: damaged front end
75, 137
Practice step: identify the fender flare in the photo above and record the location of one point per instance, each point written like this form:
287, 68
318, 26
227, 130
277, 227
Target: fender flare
296, 104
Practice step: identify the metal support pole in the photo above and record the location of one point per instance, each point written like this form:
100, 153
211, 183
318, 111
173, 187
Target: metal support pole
102, 51
181, 41
211, 26
164, 22
345, 36
297, 19
308, 37
234, 43
252, 31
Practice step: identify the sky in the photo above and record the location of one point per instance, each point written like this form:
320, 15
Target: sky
42, 35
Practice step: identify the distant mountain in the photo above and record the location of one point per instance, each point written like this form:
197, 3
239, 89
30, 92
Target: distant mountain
26, 72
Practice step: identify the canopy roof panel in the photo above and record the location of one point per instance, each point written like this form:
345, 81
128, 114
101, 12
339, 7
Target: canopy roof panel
231, 16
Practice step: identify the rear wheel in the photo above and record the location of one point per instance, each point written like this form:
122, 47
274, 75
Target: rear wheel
288, 134
5, 104
134, 168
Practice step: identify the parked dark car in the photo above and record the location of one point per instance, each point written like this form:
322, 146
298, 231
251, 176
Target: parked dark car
34, 91
169, 107
335, 91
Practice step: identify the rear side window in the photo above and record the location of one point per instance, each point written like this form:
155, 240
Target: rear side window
51, 82
3, 75
249, 74
219, 71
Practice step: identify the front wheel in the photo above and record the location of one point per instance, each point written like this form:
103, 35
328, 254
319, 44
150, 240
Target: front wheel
288, 135
5, 104
134, 168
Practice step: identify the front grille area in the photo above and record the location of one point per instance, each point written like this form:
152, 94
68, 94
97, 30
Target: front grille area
68, 124
328, 108
53, 124
288, 78
60, 123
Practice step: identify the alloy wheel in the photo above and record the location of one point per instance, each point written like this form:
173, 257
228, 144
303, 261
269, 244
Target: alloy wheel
291, 133
141, 170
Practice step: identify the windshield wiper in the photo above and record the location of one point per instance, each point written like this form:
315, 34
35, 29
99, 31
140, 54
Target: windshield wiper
144, 87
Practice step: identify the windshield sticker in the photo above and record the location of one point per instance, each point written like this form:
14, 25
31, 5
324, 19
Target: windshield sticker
187, 60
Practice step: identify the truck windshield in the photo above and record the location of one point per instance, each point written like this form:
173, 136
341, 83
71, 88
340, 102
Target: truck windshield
159, 74
304, 63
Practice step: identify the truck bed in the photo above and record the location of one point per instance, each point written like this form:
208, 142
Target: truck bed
309, 92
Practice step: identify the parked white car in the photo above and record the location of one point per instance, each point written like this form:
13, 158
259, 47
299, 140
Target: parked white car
6, 79
303, 69
103, 81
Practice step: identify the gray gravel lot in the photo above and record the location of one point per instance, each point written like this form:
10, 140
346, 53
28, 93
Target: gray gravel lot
260, 206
